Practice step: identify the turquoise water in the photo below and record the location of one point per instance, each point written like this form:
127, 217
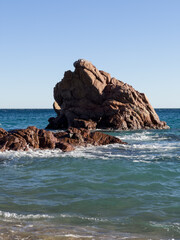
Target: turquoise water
109, 192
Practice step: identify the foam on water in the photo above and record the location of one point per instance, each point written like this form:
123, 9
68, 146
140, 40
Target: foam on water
134, 151
11, 216
167, 226
29, 154
93, 219
141, 136
76, 236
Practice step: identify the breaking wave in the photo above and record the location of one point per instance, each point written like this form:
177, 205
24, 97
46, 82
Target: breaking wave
11, 216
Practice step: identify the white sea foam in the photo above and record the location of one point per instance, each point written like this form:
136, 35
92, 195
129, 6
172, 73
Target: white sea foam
175, 226
141, 161
76, 236
143, 136
12, 216
8, 215
159, 146
9, 155
86, 152
94, 219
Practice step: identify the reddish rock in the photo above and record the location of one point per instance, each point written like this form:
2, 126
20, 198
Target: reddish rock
83, 137
3, 132
91, 99
30, 134
34, 138
99, 138
65, 147
46, 139
13, 142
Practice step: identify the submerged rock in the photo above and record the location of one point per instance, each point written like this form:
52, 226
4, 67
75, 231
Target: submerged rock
92, 99
34, 138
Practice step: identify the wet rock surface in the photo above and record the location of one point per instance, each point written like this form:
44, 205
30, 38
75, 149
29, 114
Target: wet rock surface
92, 99
34, 138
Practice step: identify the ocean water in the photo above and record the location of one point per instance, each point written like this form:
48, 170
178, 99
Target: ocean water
106, 192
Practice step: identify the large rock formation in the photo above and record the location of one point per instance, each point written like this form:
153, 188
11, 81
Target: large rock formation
34, 138
91, 99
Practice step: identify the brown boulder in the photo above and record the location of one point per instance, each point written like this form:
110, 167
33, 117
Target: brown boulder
99, 138
65, 147
3, 132
47, 140
30, 134
91, 99
13, 142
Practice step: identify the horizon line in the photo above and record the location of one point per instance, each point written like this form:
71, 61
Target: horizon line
53, 108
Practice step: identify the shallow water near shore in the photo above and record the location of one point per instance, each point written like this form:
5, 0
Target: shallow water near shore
107, 192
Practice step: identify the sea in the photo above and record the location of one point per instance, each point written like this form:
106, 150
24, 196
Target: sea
107, 192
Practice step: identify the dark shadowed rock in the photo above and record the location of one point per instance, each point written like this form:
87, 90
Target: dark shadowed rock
91, 99
80, 123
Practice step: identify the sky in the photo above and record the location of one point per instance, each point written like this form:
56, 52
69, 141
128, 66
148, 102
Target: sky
136, 41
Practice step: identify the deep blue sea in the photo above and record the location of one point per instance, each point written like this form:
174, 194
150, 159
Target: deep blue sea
108, 192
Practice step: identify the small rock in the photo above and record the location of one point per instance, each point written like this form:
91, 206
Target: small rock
47, 140
65, 147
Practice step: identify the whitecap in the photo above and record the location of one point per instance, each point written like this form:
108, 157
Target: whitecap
8, 215
166, 226
141, 161
76, 236
94, 219
161, 146
142, 136
9, 155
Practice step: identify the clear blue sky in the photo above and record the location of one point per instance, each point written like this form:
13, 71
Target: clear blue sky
137, 41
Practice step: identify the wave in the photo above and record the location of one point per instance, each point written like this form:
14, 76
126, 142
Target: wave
157, 146
9, 155
76, 236
93, 219
135, 152
167, 226
149, 136
141, 136
16, 216
8, 215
